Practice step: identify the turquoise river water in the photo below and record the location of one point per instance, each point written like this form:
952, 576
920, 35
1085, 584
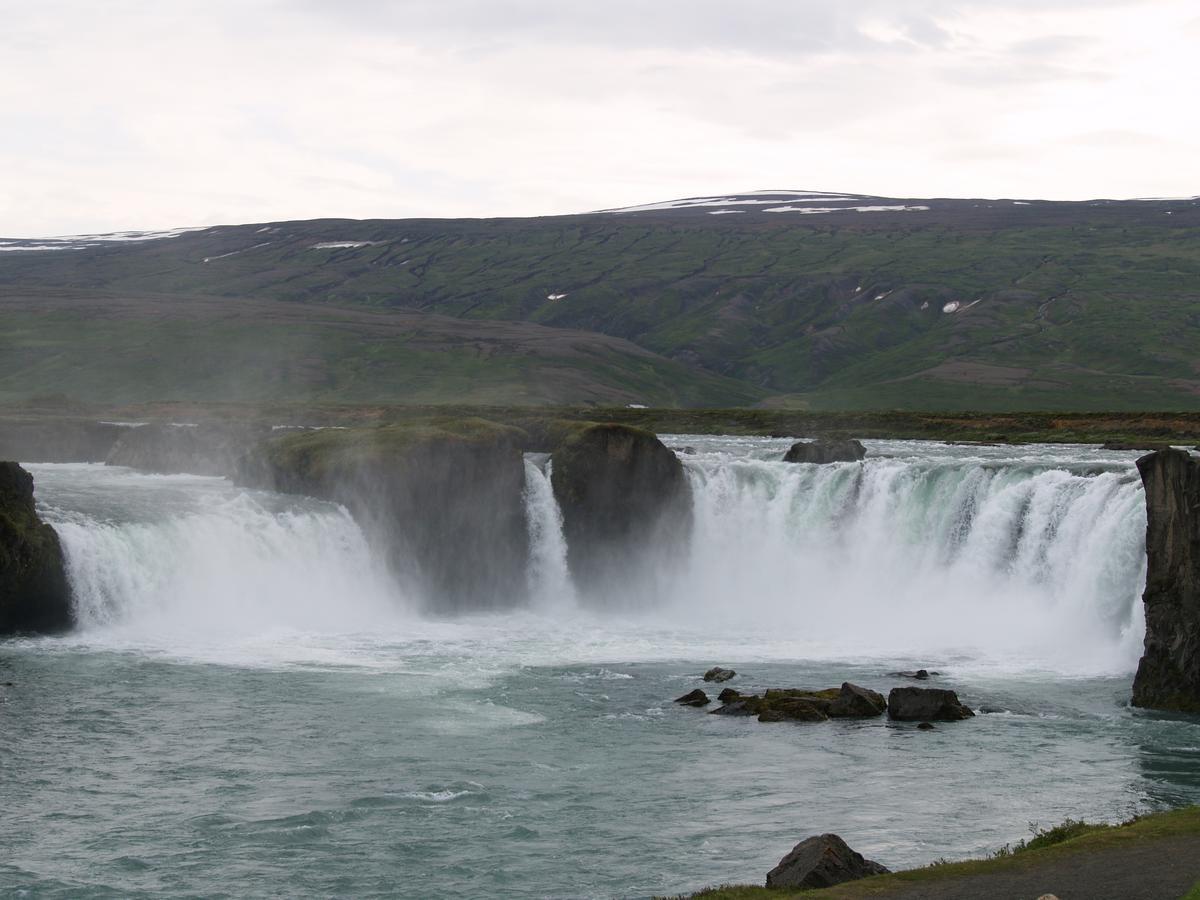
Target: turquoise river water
250, 706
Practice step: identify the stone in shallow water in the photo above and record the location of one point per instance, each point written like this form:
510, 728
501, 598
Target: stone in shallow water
914, 704
792, 709
693, 698
820, 862
717, 674
856, 702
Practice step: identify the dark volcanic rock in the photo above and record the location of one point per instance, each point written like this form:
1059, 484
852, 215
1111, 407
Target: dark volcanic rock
694, 698
625, 503
778, 705
1168, 676
825, 452
856, 702
211, 449
791, 709
919, 674
914, 704
717, 674
739, 706
443, 499
820, 862
926, 726
34, 593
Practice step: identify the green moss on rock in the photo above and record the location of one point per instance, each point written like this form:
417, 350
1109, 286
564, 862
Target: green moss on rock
442, 497
34, 593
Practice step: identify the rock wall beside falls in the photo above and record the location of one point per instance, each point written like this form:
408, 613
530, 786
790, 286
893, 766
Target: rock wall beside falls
442, 498
210, 449
1168, 676
57, 440
34, 593
625, 503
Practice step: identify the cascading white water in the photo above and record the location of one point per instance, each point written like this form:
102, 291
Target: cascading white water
920, 551
550, 583
196, 556
925, 554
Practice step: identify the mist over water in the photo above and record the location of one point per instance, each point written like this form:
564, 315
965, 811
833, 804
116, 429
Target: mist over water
179, 562
253, 705
1035, 559
1002, 559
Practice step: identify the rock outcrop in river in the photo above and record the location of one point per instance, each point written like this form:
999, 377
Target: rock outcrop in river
794, 705
625, 504
442, 498
34, 593
825, 452
914, 704
1168, 676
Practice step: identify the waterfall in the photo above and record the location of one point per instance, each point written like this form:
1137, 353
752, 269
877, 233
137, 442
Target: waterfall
896, 554
550, 583
195, 555
1034, 556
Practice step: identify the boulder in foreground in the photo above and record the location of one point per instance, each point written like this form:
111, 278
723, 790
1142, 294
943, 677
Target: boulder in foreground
693, 698
820, 862
914, 704
825, 452
34, 593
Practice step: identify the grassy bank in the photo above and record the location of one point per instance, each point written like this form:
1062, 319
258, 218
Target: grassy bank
1045, 851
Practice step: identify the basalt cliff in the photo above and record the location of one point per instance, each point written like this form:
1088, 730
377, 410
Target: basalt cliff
1168, 676
34, 593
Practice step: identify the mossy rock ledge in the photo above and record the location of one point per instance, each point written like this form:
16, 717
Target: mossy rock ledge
626, 507
1168, 676
35, 595
443, 499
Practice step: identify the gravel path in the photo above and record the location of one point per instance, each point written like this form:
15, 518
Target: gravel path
1163, 869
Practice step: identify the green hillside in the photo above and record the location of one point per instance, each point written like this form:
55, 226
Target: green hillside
1086, 308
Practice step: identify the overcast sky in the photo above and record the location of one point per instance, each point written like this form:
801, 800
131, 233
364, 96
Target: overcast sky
132, 114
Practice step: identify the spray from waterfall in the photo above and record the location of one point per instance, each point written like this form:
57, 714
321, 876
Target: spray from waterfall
197, 556
912, 555
926, 554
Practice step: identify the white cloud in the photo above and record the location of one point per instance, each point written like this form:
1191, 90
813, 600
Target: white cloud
130, 115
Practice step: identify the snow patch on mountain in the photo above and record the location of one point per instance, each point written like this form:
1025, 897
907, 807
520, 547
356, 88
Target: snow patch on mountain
89, 241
